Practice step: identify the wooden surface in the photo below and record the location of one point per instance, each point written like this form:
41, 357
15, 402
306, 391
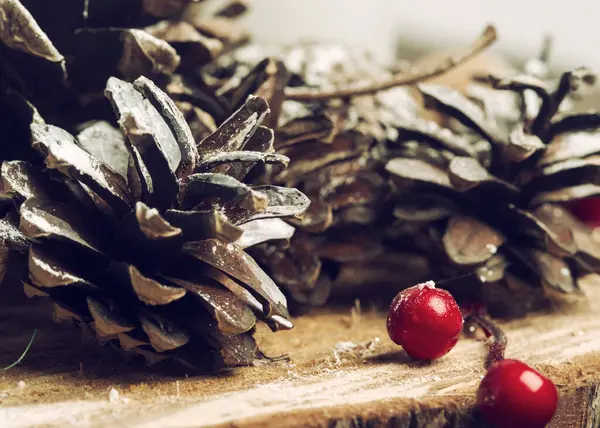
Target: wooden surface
344, 372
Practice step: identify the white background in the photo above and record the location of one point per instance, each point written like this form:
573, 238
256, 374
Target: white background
379, 24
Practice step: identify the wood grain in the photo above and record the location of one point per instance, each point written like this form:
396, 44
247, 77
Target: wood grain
343, 372
580, 408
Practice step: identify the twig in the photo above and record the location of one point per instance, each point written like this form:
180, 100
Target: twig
23, 354
414, 76
569, 82
546, 50
491, 329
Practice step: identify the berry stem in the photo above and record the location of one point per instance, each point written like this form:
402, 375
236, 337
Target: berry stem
402, 79
491, 329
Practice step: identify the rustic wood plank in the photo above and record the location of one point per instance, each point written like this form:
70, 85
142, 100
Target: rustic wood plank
344, 372
579, 408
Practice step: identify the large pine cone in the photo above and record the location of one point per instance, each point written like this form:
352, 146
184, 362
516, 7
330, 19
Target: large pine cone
139, 234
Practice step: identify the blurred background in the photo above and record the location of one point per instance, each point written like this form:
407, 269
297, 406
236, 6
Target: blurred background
391, 27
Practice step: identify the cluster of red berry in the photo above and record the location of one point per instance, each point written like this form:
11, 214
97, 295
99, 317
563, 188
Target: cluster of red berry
427, 322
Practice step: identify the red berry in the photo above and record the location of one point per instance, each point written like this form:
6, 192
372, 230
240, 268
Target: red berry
512, 394
425, 321
587, 210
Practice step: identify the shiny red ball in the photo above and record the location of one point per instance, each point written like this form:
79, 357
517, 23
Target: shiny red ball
587, 210
425, 321
512, 394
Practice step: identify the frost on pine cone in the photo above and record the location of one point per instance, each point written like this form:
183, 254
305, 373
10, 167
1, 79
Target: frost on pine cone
484, 192
139, 234
341, 242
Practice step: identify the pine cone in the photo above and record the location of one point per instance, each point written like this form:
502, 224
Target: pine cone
139, 234
336, 159
59, 55
485, 195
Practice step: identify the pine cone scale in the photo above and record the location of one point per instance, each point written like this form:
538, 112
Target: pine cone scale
470, 242
105, 322
42, 220
19, 178
449, 101
176, 123
64, 155
316, 127
235, 132
139, 128
233, 316
237, 264
48, 272
24, 34
264, 230
152, 292
199, 225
